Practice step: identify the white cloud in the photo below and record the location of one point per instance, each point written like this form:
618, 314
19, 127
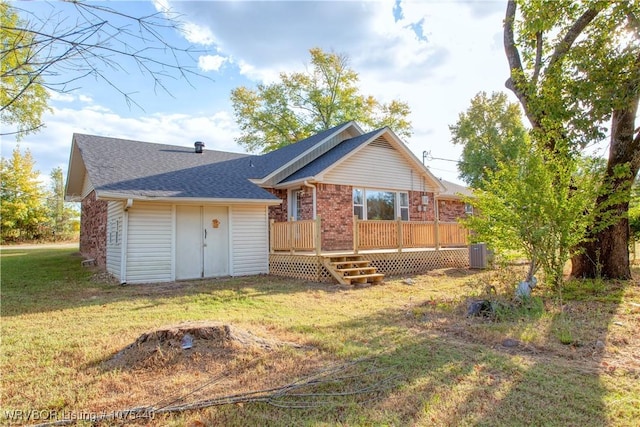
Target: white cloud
161, 5
211, 62
198, 34
51, 147
84, 98
68, 97
259, 74
61, 97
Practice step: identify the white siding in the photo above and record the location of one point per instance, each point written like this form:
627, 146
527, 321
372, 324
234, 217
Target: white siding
149, 239
249, 240
377, 165
316, 152
115, 213
87, 187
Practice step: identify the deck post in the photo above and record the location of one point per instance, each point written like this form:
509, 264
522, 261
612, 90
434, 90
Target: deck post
290, 234
436, 231
271, 222
400, 236
317, 235
356, 234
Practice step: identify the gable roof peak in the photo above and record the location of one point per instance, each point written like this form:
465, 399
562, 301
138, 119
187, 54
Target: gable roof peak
279, 163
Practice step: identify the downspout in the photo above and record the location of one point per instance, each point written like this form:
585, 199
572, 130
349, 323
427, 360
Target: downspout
125, 239
318, 233
307, 184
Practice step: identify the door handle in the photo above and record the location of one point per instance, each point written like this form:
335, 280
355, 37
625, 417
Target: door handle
205, 233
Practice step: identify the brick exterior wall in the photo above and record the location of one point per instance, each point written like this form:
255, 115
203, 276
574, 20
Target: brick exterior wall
93, 229
451, 210
415, 206
280, 212
307, 204
334, 203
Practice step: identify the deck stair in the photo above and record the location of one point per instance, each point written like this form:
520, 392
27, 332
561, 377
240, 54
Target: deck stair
352, 269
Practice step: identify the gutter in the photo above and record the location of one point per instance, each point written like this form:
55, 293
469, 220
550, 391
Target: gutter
313, 193
185, 200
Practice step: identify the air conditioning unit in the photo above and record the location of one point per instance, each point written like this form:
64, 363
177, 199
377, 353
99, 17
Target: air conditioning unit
478, 256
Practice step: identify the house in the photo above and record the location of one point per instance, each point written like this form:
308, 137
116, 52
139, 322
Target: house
157, 213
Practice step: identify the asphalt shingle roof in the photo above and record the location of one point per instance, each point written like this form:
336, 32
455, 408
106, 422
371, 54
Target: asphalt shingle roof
331, 157
143, 169
455, 190
156, 170
269, 162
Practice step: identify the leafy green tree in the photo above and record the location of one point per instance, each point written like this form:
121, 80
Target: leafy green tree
491, 132
23, 99
301, 104
574, 67
63, 218
22, 209
539, 205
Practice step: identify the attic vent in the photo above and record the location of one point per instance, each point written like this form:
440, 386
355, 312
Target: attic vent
199, 146
381, 143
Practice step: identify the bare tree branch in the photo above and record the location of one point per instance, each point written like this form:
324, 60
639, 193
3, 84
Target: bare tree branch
56, 51
573, 33
32, 129
303, 393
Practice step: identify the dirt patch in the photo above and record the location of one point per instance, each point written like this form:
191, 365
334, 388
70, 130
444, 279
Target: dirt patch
101, 276
192, 342
601, 336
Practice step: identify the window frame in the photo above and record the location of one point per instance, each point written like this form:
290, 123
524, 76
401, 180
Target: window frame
468, 208
296, 203
114, 232
400, 210
360, 205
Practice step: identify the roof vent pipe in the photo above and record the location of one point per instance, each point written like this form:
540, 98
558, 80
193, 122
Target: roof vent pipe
199, 146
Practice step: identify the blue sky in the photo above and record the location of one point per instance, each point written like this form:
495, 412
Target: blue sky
435, 55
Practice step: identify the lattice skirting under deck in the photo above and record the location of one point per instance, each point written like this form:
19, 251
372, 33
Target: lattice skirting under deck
310, 268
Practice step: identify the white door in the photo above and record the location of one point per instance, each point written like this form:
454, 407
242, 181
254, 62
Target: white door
216, 241
202, 242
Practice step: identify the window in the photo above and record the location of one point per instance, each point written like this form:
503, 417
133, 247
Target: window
404, 206
358, 203
114, 232
296, 204
468, 208
380, 204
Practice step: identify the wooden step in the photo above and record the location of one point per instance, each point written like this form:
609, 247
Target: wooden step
355, 262
364, 270
365, 278
352, 269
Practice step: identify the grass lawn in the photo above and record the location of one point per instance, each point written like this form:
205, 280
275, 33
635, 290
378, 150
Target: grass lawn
401, 353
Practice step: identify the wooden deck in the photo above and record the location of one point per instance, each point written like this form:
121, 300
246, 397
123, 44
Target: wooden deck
313, 267
306, 236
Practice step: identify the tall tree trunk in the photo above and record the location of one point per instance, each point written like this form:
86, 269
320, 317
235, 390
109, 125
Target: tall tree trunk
607, 251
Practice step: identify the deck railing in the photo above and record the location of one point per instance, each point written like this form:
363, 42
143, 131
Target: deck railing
408, 234
295, 235
304, 236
